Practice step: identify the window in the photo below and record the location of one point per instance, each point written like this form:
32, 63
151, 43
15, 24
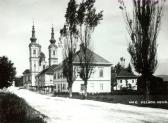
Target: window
101, 73
120, 81
82, 87
43, 66
34, 67
132, 81
53, 52
28, 78
101, 86
58, 75
64, 87
34, 51
55, 76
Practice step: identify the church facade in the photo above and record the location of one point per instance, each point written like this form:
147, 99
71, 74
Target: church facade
37, 59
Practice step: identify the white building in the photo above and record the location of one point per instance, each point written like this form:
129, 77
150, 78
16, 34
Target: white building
126, 80
99, 82
45, 77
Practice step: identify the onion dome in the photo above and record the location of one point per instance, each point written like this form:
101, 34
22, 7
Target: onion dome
33, 38
42, 55
52, 40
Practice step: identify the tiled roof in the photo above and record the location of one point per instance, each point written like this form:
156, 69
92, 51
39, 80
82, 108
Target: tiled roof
125, 74
97, 59
48, 71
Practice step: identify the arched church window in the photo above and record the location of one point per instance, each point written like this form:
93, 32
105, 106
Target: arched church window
53, 52
34, 51
34, 67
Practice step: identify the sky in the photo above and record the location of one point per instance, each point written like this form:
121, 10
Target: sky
110, 38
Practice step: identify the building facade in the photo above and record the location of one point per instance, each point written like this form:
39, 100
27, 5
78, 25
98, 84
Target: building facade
99, 81
126, 80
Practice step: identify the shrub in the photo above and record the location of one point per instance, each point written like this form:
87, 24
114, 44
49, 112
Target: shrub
15, 110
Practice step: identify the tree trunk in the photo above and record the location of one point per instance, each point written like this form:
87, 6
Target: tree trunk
147, 89
85, 89
70, 92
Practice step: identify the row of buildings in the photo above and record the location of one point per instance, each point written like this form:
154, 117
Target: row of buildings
42, 73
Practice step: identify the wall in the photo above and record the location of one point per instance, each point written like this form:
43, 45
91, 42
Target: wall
96, 83
48, 80
132, 82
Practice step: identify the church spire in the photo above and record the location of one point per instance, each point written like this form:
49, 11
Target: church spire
52, 40
33, 38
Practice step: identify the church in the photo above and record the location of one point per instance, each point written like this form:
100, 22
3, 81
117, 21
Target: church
44, 74
37, 59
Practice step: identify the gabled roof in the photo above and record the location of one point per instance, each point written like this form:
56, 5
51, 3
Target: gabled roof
126, 74
48, 71
97, 59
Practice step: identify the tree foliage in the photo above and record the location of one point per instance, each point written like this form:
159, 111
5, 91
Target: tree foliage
87, 20
81, 19
7, 72
143, 29
129, 69
118, 68
69, 36
18, 81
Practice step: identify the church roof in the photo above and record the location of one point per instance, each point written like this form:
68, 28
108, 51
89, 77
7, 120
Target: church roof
52, 45
97, 59
34, 44
27, 71
52, 40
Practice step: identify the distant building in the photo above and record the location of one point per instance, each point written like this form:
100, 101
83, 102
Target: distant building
26, 78
38, 64
45, 77
126, 80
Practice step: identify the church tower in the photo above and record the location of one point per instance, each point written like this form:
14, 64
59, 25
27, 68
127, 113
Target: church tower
53, 57
34, 50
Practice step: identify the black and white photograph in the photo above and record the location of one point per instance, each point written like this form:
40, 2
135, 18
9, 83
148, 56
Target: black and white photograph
83, 61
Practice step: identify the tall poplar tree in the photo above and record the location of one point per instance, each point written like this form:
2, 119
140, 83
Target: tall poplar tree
143, 29
69, 38
87, 20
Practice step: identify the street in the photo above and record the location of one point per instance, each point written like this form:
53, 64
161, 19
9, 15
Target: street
65, 110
